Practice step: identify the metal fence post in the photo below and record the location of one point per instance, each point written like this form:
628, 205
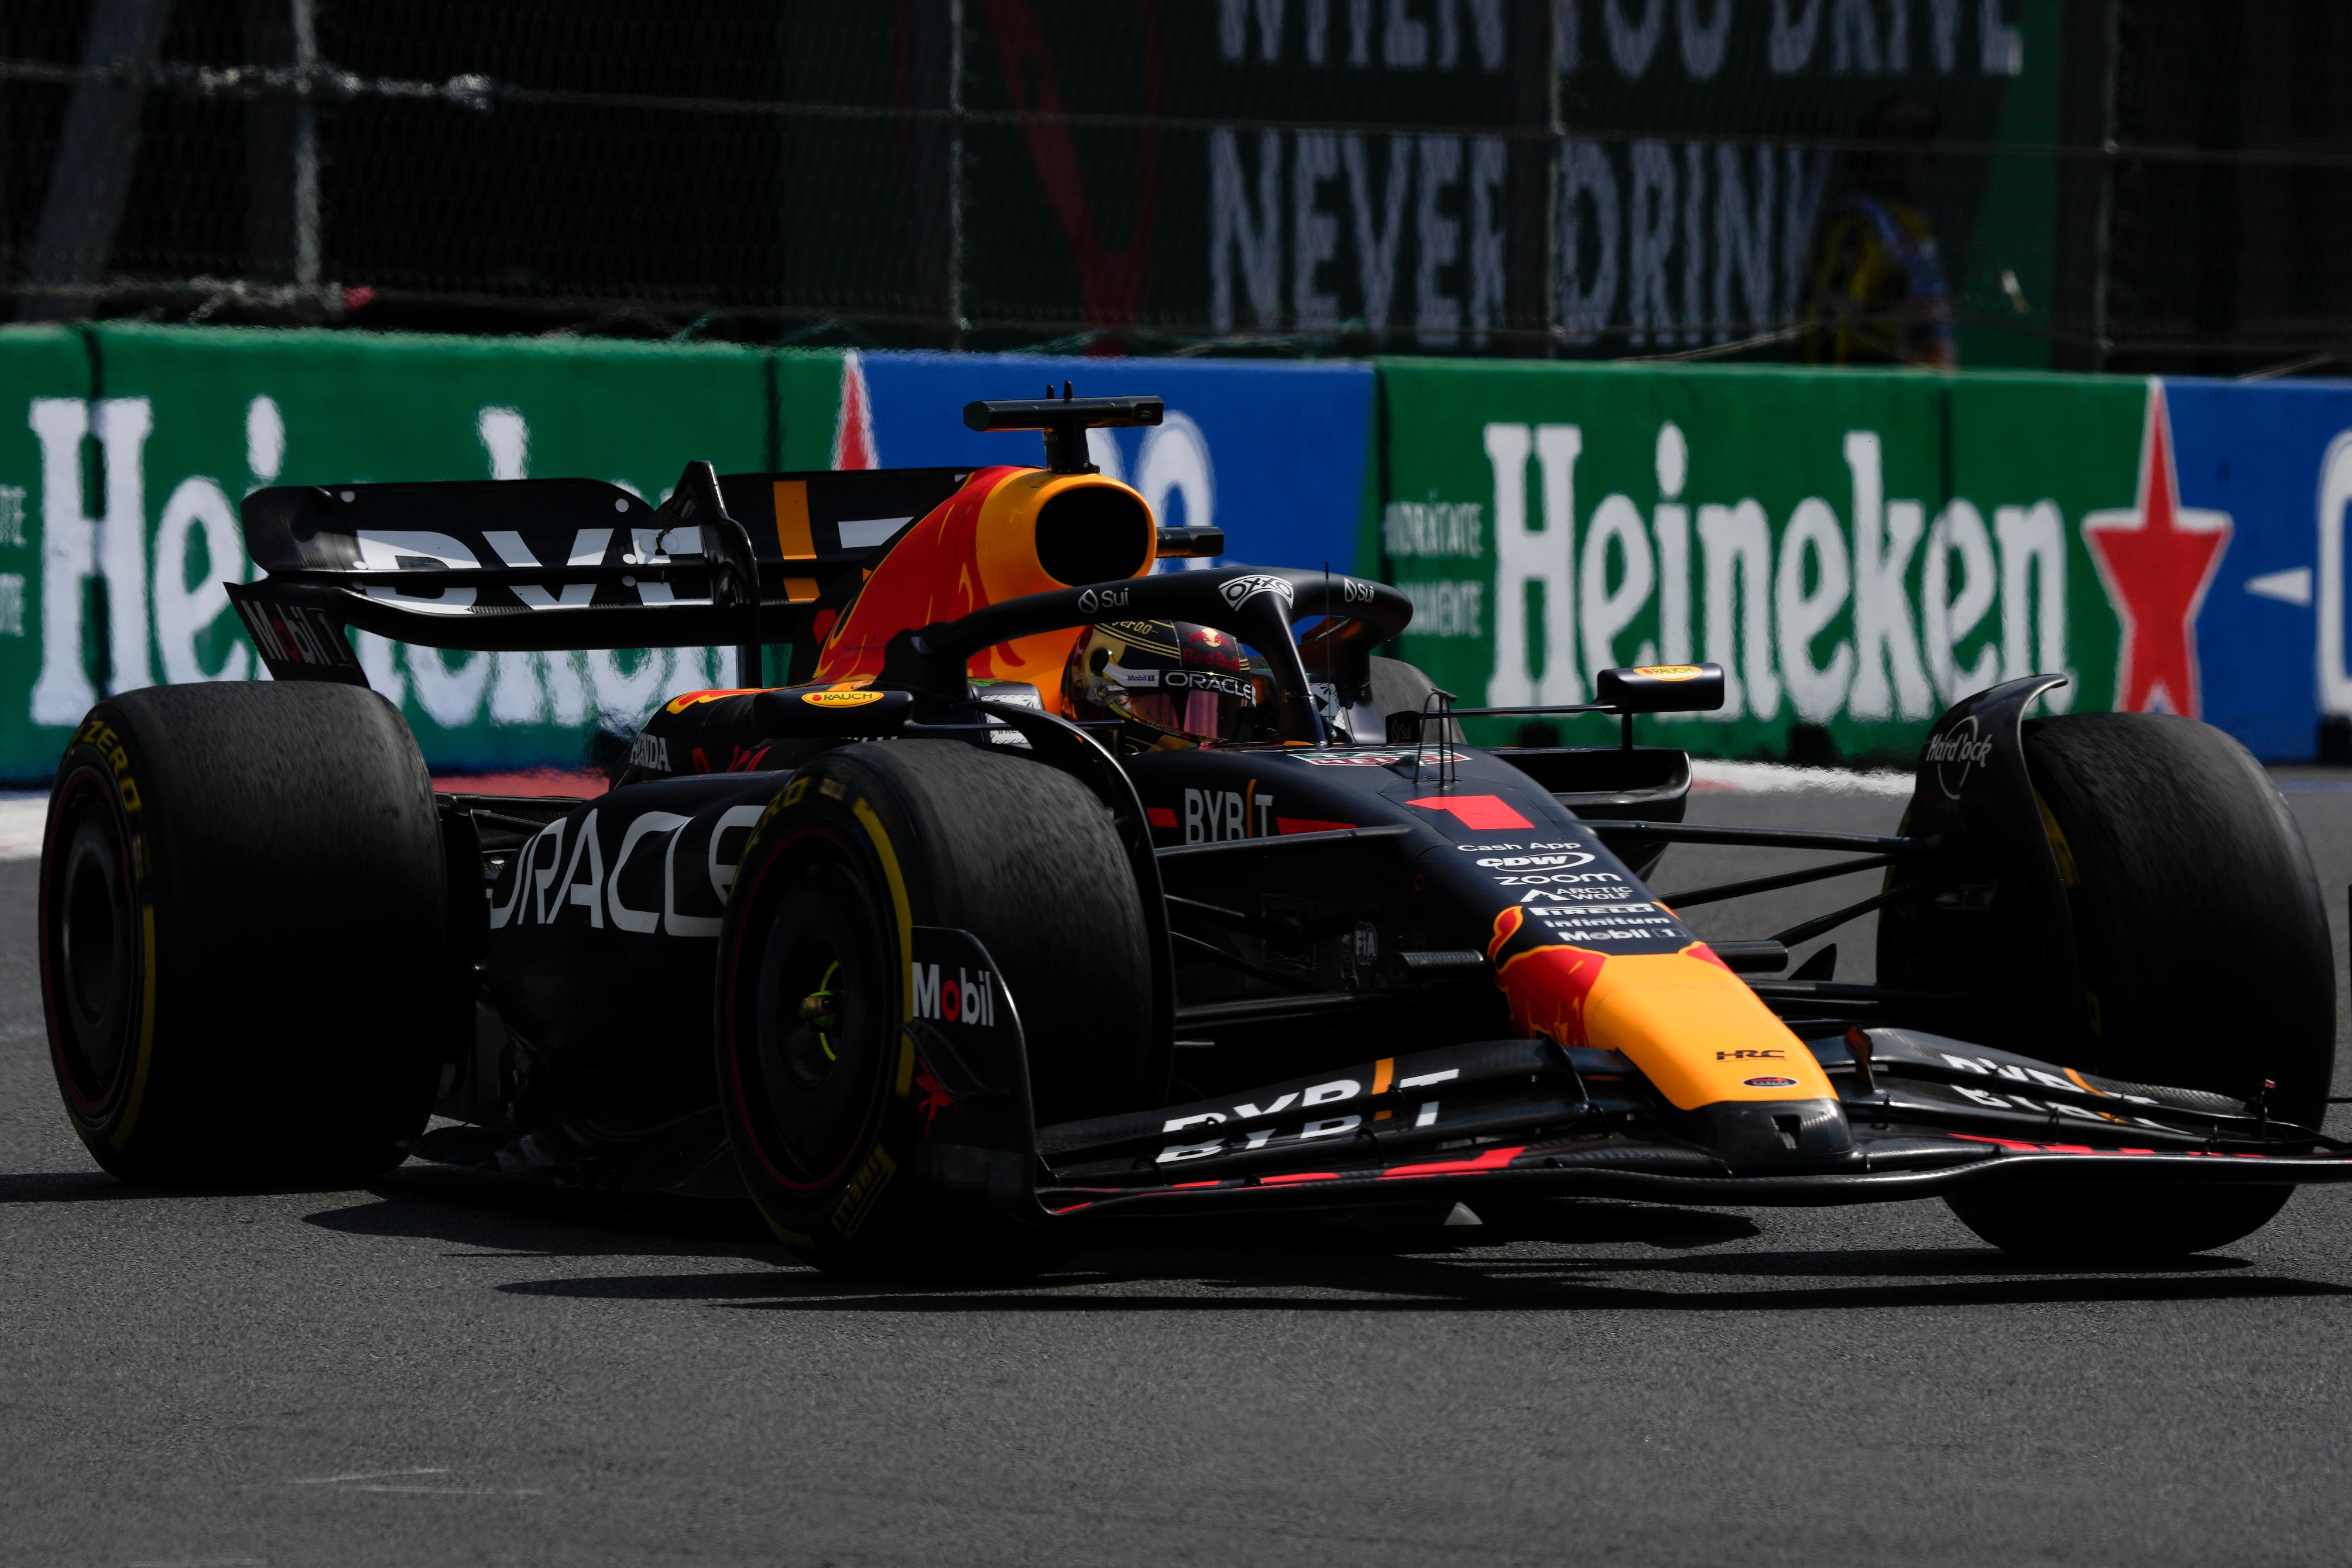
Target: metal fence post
306, 147
1531, 278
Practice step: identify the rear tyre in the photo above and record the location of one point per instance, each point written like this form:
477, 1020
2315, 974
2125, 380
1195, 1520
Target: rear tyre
241, 945
2203, 960
813, 969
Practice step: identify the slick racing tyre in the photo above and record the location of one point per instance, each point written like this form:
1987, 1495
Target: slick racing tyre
813, 1067
2203, 962
241, 945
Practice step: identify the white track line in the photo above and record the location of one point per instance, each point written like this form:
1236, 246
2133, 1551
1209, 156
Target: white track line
1781, 778
367, 1476
372, 1481
21, 816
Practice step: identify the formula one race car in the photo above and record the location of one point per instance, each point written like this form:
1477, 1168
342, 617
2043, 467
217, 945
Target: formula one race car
1049, 887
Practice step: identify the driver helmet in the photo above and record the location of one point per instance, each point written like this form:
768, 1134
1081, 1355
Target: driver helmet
1170, 681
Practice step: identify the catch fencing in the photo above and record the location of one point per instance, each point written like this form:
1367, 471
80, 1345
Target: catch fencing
2107, 184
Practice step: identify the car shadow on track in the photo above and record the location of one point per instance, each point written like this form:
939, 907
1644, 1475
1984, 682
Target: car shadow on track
1397, 1283
97, 1186
1294, 1266
1571, 1255
527, 1217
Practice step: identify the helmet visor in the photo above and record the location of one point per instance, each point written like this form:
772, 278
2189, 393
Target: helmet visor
1200, 704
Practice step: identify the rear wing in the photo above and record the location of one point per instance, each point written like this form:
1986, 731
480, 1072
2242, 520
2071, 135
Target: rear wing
740, 559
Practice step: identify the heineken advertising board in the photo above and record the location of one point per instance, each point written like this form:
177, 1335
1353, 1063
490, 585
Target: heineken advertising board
2248, 547
1858, 550
124, 451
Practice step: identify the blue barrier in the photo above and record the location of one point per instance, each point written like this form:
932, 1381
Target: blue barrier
1274, 454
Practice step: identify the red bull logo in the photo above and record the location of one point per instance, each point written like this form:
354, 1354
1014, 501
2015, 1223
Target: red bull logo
1682, 1017
1548, 986
1205, 649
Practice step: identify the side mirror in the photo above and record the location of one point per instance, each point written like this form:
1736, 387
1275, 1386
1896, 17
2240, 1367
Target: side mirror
1660, 688
1191, 542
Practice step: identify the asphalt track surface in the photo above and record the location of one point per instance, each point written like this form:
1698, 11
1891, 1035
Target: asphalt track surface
438, 1369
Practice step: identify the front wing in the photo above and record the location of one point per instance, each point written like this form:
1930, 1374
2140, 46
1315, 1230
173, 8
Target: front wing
1927, 1116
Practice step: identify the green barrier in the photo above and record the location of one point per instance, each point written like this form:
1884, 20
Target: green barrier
136, 443
40, 368
1855, 548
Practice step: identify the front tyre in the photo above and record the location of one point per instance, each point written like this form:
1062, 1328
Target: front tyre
2203, 962
817, 1081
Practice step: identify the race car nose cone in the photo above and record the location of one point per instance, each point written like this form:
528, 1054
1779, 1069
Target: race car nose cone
1777, 1134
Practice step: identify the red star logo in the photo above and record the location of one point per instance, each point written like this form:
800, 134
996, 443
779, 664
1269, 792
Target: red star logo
2157, 560
853, 429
